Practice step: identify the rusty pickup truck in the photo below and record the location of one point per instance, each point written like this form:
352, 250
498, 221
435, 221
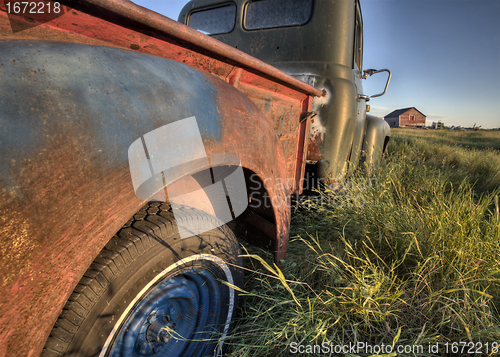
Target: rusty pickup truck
135, 149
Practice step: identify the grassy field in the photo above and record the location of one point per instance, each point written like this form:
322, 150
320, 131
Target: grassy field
408, 263
481, 139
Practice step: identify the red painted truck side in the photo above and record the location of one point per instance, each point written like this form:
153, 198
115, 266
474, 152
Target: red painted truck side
65, 199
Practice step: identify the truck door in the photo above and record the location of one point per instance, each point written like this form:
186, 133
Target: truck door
362, 99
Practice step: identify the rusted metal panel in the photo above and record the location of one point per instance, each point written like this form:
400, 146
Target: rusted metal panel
302, 143
66, 186
283, 114
283, 108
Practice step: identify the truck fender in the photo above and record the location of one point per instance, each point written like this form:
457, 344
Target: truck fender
69, 113
375, 143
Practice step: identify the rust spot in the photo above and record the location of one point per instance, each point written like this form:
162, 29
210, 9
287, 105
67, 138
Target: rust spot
314, 146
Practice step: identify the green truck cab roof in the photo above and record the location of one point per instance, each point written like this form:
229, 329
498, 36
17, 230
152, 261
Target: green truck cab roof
303, 30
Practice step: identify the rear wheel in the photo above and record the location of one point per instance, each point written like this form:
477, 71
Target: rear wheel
151, 293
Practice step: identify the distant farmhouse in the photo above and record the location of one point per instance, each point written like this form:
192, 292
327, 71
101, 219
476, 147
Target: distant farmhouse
407, 117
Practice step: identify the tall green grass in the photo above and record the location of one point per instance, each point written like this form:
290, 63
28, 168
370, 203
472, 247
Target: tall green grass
479, 140
412, 260
470, 156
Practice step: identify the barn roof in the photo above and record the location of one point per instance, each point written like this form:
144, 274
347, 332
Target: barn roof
398, 112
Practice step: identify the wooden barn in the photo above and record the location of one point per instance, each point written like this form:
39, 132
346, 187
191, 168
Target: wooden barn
407, 117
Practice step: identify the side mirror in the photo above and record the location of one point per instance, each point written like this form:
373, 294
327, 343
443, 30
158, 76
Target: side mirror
371, 72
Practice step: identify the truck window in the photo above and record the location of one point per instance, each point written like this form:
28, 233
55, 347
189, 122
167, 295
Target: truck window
265, 14
215, 20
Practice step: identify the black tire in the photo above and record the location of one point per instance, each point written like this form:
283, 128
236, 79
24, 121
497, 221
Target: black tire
149, 283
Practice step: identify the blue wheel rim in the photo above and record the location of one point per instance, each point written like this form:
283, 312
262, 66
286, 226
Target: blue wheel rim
180, 316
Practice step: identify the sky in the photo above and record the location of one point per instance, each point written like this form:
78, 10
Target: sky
444, 56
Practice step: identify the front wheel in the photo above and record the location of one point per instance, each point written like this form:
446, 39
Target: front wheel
151, 293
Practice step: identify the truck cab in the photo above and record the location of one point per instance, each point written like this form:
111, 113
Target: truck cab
321, 43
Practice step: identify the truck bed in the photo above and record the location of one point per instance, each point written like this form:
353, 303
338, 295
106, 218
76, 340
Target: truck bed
48, 238
123, 24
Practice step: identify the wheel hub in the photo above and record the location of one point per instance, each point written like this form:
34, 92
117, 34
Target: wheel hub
174, 318
159, 330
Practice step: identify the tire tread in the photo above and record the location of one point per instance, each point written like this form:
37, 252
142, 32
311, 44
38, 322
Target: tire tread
138, 235
128, 244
